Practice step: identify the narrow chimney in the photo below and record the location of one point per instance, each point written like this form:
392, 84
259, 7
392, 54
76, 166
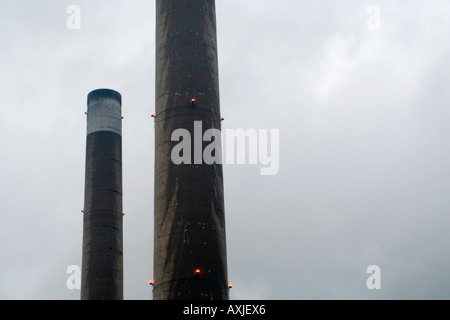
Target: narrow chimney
102, 264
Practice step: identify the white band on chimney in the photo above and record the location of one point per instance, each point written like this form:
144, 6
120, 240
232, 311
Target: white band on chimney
104, 114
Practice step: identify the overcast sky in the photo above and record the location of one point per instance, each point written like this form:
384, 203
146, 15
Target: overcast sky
361, 104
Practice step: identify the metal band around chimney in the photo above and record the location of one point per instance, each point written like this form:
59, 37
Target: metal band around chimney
104, 111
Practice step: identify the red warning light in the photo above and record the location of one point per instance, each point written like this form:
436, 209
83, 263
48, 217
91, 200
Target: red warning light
197, 272
153, 115
222, 118
230, 286
151, 282
193, 102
